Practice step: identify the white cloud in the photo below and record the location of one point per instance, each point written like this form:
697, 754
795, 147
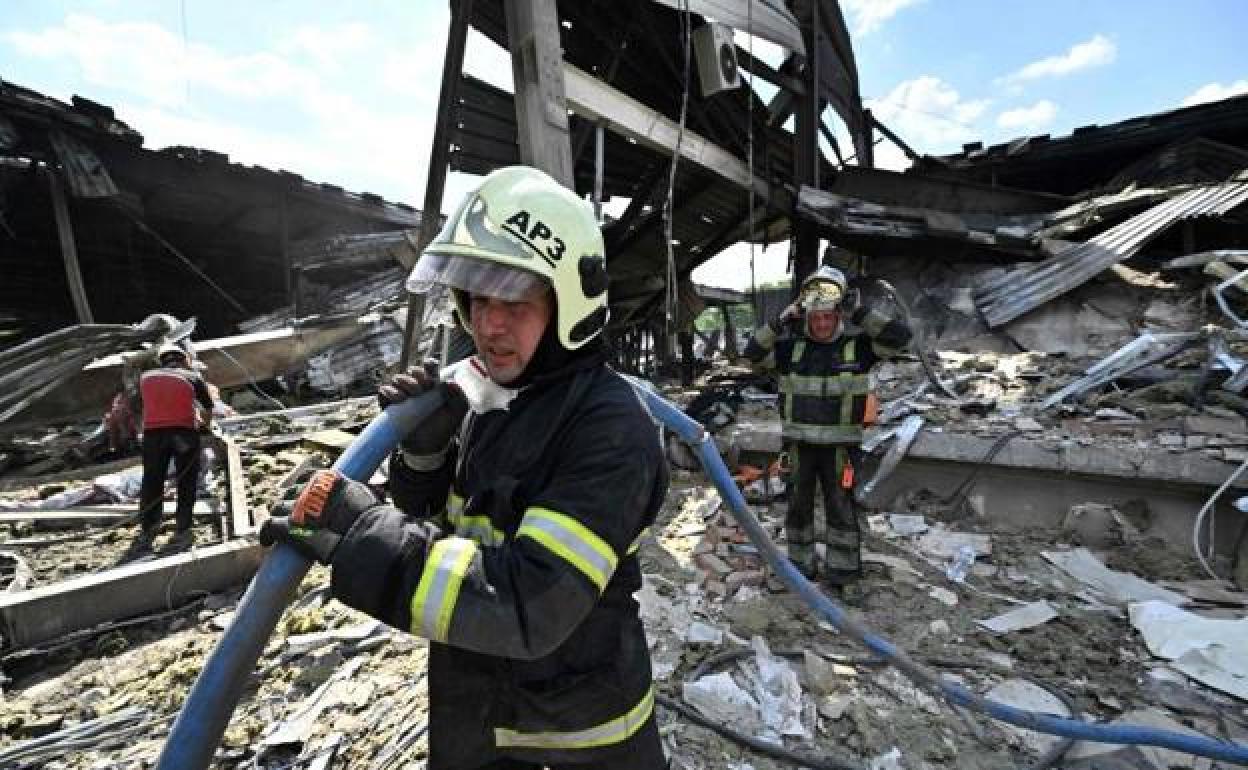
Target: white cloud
329, 47
866, 16
1030, 118
152, 62
1212, 92
929, 115
1095, 52
380, 147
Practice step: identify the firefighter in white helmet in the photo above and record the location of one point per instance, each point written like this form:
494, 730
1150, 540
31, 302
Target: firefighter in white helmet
823, 365
512, 541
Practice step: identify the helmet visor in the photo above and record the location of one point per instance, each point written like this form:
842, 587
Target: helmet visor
475, 276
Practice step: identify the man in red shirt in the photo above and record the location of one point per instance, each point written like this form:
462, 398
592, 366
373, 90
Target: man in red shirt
171, 430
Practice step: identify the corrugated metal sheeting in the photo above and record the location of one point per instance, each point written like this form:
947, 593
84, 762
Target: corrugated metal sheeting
1026, 288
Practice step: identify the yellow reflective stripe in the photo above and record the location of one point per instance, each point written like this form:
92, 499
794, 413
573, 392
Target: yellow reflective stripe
481, 529
438, 590
832, 385
605, 734
454, 507
799, 348
849, 354
636, 544
823, 434
571, 541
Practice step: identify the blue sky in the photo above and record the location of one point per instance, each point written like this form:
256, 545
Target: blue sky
346, 92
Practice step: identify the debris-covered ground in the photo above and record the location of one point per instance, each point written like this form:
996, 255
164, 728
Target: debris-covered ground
335, 689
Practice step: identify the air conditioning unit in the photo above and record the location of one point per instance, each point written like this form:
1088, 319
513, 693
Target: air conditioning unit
717, 58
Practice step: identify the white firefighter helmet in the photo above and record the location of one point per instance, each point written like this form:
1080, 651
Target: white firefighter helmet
824, 289
171, 349
518, 229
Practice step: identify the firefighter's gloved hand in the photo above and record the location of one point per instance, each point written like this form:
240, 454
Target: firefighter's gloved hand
790, 313
313, 518
425, 448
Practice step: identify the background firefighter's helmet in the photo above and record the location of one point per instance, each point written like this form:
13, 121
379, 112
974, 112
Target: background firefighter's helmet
823, 289
517, 229
169, 350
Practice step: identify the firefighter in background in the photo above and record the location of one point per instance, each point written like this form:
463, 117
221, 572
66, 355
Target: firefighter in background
172, 424
513, 546
823, 361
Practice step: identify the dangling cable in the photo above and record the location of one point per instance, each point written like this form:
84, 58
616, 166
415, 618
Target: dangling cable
671, 294
749, 144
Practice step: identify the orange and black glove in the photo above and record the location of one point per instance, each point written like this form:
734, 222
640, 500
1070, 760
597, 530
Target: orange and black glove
314, 518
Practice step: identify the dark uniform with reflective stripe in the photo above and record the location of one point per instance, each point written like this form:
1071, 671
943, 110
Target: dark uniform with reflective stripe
538, 654
826, 398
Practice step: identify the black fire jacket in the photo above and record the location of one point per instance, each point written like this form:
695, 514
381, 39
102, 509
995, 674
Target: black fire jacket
537, 649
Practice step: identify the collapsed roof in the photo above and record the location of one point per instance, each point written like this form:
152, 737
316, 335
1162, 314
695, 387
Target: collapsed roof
144, 225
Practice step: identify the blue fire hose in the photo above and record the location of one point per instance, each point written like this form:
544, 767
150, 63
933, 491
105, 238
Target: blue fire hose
198, 729
693, 434
202, 721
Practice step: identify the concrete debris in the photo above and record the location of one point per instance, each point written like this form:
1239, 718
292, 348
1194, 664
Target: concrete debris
1076, 403
720, 698
1096, 525
1141, 756
906, 433
703, 633
1023, 694
298, 728
890, 760
898, 524
778, 692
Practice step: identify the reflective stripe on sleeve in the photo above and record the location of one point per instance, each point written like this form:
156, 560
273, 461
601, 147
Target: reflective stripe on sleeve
605, 734
635, 546
433, 603
479, 528
571, 541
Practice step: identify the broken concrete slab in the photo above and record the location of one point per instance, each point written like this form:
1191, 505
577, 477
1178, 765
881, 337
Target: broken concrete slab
48, 612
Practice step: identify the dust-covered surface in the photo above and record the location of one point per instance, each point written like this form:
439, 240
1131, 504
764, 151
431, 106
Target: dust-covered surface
855, 710
356, 698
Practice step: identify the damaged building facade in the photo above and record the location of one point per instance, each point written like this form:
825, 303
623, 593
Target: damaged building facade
1052, 495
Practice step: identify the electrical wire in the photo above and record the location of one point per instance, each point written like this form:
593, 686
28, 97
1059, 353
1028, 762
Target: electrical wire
671, 293
174, 251
1206, 511
251, 378
749, 150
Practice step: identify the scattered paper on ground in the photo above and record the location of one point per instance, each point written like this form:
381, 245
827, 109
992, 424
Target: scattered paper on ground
1211, 651
944, 544
1027, 616
1117, 587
